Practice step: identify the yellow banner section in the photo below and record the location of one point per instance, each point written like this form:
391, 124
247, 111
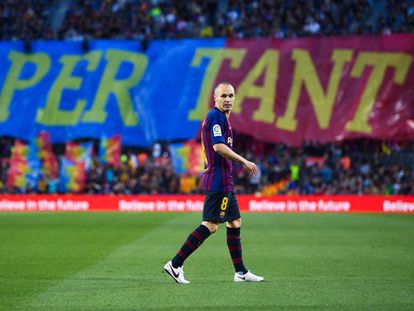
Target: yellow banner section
109, 85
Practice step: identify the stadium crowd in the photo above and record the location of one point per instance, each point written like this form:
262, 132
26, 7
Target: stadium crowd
160, 19
350, 167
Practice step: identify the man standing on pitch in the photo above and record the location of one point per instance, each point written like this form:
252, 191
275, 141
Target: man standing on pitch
220, 204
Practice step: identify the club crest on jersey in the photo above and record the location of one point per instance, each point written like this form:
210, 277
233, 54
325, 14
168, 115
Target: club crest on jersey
216, 130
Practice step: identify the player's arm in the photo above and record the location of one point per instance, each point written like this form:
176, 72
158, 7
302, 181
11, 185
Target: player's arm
226, 152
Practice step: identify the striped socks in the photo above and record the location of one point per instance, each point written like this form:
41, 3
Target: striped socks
235, 249
197, 237
193, 241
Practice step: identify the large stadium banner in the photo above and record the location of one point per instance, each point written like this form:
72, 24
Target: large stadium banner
321, 89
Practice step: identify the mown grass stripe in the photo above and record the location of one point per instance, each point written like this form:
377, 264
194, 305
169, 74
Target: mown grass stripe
310, 261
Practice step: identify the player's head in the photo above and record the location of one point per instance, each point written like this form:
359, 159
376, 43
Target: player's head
224, 97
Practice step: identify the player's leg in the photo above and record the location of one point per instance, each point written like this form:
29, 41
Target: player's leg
175, 266
235, 246
193, 241
209, 225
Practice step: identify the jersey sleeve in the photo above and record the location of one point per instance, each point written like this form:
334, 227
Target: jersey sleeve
216, 130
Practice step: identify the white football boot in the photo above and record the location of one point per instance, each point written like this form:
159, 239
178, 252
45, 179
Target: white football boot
176, 273
247, 277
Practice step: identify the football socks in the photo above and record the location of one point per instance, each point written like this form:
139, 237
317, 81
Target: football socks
235, 249
194, 240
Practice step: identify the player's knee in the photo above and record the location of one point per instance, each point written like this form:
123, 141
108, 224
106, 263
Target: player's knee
211, 226
235, 223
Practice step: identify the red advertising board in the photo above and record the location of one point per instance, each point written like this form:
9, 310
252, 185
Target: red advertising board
194, 203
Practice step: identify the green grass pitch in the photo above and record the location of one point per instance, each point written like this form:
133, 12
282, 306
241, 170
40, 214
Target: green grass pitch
113, 261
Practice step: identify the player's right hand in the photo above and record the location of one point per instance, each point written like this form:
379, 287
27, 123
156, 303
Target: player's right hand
250, 167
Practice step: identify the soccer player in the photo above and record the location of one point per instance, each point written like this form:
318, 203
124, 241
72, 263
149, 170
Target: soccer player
220, 203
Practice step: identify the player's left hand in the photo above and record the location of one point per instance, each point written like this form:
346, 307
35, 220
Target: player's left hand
250, 167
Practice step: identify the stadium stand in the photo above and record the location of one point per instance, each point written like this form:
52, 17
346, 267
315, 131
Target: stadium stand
123, 19
26, 20
351, 167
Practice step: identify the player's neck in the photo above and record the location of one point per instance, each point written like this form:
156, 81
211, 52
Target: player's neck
226, 113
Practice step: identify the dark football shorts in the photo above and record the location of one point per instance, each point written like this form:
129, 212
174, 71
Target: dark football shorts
220, 207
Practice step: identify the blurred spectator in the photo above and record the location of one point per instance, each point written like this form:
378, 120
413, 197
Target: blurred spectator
188, 183
151, 19
25, 20
350, 167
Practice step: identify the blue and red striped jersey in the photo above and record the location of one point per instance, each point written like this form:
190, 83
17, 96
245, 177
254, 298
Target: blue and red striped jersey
218, 171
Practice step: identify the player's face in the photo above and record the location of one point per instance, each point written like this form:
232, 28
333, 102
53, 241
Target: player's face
224, 97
